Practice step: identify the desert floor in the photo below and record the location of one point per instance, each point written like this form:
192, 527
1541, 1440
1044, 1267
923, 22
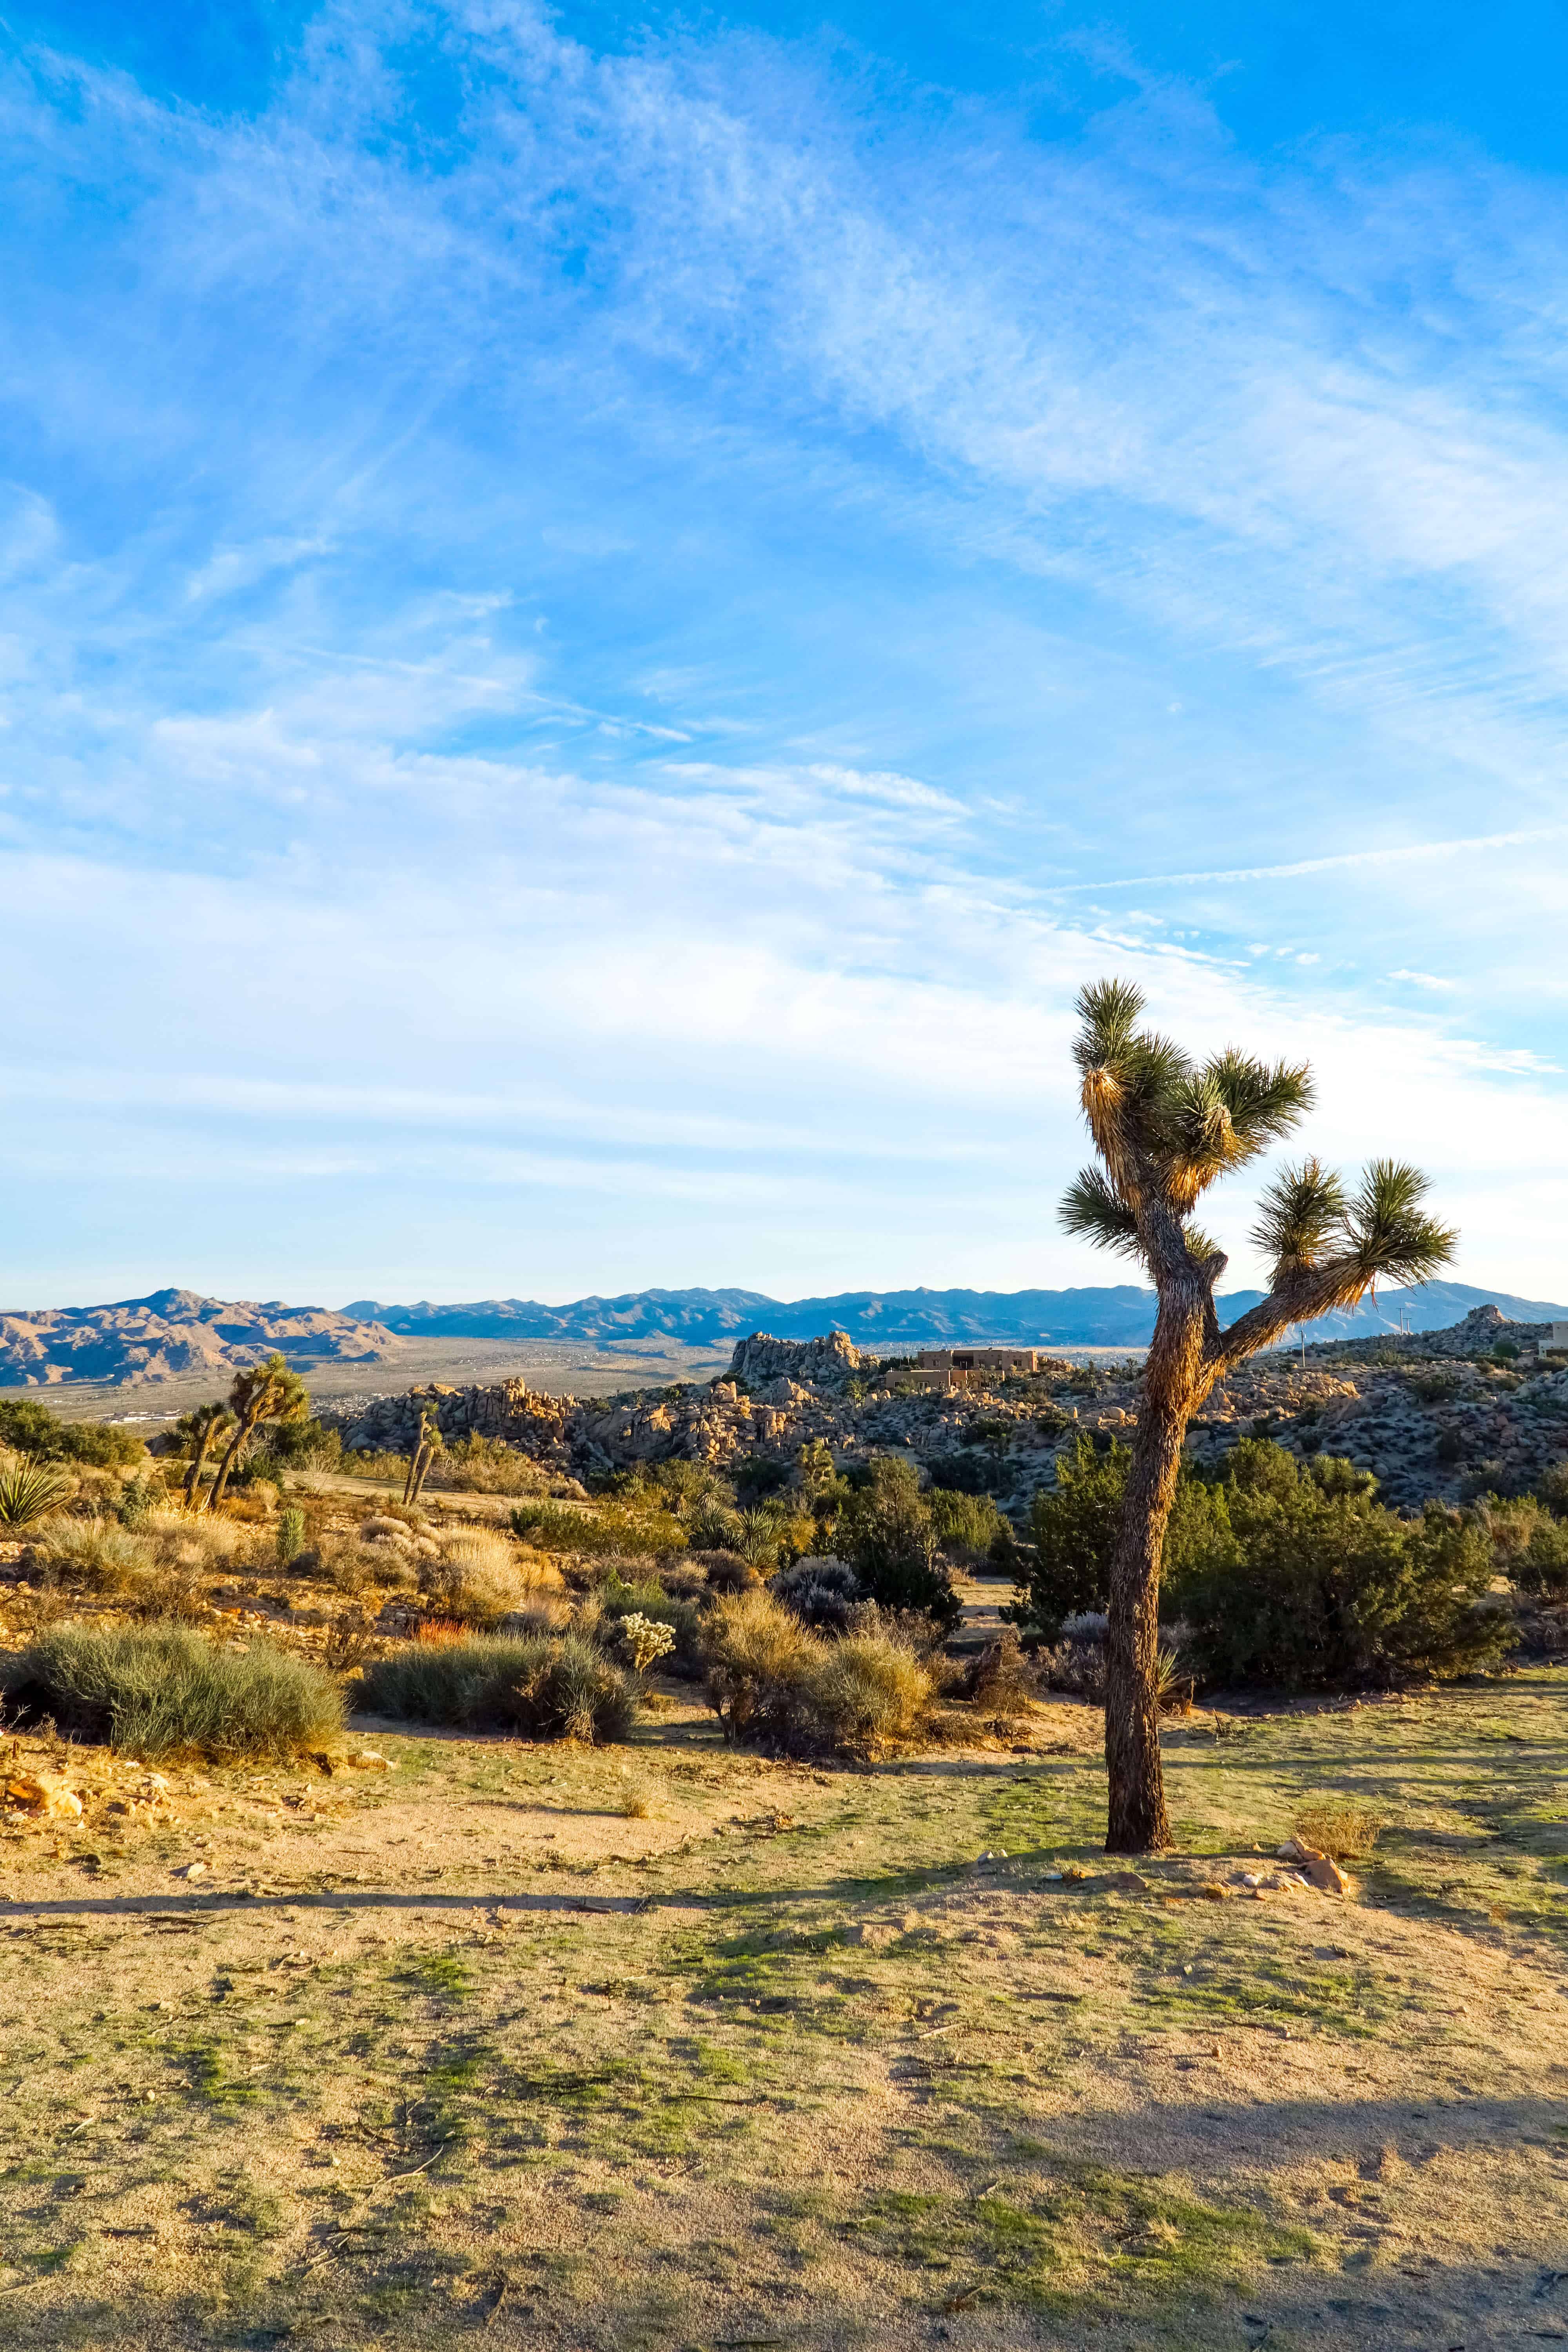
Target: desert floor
671, 2046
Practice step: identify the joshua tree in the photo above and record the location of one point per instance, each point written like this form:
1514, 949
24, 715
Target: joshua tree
426, 1447
267, 1392
1164, 1129
201, 1429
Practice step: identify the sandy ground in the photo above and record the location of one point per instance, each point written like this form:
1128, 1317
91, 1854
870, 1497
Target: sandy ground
669, 2045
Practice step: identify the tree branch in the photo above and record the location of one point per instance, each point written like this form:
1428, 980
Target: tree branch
1297, 1297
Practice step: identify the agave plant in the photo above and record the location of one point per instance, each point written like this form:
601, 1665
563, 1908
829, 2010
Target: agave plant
29, 1491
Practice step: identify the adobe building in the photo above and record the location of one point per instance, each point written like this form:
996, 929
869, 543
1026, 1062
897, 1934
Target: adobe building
965, 1368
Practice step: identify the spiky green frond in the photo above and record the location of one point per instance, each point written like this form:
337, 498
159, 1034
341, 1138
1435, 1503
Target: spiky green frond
1201, 1246
1391, 1235
1109, 1010
1298, 1216
1093, 1210
1265, 1099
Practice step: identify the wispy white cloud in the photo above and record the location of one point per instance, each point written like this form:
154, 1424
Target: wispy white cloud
393, 569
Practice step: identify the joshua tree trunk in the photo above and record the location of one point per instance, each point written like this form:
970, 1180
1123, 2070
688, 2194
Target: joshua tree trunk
420, 1472
1173, 1384
231, 1456
198, 1463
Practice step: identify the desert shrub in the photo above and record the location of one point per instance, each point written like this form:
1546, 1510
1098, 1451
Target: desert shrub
758, 1667
26, 1427
618, 1598
298, 1446
477, 1578
1325, 1586
1529, 1546
138, 1500
886, 1533
162, 1691
1075, 1661
1000, 1683
30, 1490
775, 1684
1449, 1448
726, 1572
958, 1473
381, 1465
546, 1687
757, 1477
382, 1526
867, 1692
90, 1555
1074, 1527
614, 1525
966, 1525
485, 1466
291, 1538
1552, 1487
1433, 1388
822, 1591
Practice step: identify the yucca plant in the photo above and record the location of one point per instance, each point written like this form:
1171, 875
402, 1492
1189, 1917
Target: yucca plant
1164, 1128
30, 1490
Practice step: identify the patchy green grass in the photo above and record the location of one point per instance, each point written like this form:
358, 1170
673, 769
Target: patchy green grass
804, 2058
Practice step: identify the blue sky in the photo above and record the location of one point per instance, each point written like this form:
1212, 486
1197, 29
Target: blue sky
601, 615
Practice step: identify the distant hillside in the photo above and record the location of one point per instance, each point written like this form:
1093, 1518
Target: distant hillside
1121, 1315
175, 1331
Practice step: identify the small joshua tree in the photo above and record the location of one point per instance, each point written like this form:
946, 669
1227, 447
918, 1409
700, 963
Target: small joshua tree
267, 1392
1164, 1128
201, 1429
426, 1447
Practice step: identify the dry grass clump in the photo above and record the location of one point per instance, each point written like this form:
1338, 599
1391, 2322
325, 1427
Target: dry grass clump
547, 1687
88, 1555
1000, 1683
162, 1691
1334, 1826
478, 1578
775, 1684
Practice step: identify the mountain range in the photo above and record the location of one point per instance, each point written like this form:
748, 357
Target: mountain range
173, 1332
1119, 1316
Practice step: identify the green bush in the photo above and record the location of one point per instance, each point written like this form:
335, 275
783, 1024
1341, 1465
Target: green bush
290, 1535
886, 1532
546, 1687
1279, 1574
162, 1691
1320, 1585
610, 1526
1074, 1526
299, 1445
30, 1428
1530, 1547
966, 1525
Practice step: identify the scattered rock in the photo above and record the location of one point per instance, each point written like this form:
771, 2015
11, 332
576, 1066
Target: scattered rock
45, 1797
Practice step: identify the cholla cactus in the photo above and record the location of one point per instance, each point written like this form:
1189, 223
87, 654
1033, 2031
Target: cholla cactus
646, 1639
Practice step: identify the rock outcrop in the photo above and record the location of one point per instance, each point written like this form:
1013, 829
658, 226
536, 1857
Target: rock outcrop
1448, 1421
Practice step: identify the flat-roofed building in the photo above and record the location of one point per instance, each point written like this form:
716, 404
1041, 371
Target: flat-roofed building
965, 1368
